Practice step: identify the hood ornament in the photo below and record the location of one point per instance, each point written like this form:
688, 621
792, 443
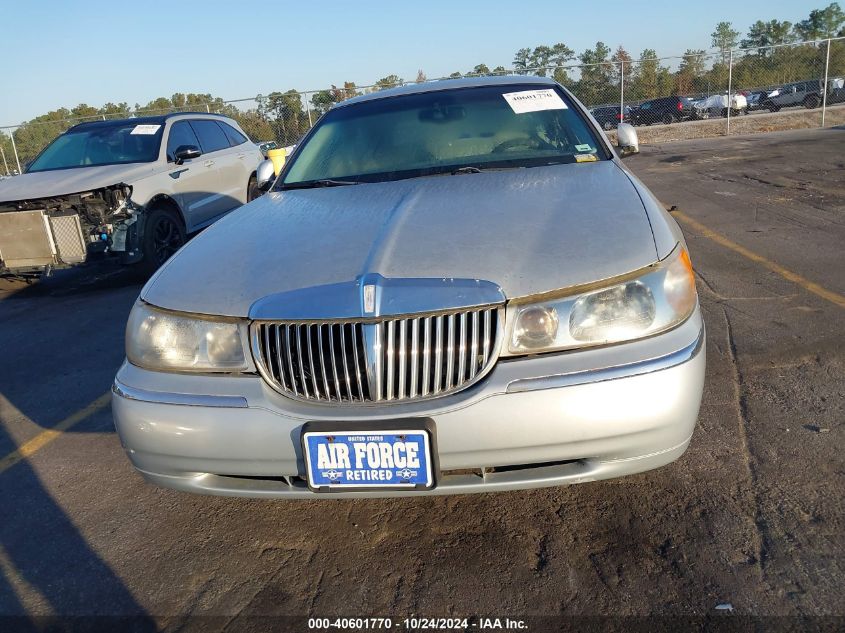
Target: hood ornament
369, 298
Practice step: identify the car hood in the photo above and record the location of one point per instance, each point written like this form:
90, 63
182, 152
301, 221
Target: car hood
527, 230
59, 182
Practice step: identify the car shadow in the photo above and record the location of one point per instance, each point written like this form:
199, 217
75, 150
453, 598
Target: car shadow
48, 567
61, 342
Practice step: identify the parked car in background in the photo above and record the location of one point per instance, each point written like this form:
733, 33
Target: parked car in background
664, 110
718, 105
266, 146
453, 287
757, 98
608, 117
132, 188
800, 93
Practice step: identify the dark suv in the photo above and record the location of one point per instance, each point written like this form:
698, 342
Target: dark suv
663, 110
607, 116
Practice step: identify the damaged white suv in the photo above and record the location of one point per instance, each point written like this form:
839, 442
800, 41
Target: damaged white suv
133, 188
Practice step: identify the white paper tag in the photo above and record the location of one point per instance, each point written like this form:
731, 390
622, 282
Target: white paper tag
145, 129
534, 101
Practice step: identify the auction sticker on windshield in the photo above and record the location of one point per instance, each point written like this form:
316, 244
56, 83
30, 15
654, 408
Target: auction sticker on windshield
383, 458
145, 129
534, 101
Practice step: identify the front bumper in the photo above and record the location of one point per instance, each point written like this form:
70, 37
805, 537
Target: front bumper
532, 422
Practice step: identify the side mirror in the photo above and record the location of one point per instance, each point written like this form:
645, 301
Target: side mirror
186, 152
265, 175
626, 140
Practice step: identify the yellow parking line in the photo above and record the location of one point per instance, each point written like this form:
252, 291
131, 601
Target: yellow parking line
806, 284
45, 437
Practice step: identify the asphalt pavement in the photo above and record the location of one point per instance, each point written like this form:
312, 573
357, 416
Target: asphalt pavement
750, 520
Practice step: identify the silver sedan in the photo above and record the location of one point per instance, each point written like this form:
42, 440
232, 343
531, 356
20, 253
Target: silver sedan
451, 287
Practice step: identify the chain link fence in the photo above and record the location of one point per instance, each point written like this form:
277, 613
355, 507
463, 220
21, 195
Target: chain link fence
696, 95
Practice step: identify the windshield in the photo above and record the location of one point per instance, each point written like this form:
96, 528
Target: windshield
124, 142
489, 127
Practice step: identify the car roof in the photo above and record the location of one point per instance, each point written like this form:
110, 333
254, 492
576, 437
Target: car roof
449, 84
144, 120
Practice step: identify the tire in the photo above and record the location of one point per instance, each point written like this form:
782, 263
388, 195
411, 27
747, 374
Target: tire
771, 107
667, 119
811, 101
252, 190
608, 125
163, 236
724, 113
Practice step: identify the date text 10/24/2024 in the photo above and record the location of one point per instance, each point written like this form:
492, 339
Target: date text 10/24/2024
418, 624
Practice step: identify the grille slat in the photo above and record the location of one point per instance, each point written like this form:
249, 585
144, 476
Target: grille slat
426, 364
345, 362
390, 358
396, 359
355, 349
310, 343
325, 377
333, 361
290, 361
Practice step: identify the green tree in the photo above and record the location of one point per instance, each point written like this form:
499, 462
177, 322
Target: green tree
763, 35
646, 79
725, 37
480, 69
391, 81
621, 64
521, 59
822, 23
287, 115
691, 70
596, 84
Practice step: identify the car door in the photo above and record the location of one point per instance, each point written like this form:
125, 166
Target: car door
244, 157
222, 181
192, 179
796, 94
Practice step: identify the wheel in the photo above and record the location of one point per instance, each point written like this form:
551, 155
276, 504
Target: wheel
724, 112
163, 236
666, 119
608, 125
252, 190
771, 107
811, 101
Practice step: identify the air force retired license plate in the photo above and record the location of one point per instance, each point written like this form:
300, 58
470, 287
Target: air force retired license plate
388, 457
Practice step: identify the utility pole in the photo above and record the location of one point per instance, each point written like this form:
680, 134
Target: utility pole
730, 80
824, 87
15, 149
621, 90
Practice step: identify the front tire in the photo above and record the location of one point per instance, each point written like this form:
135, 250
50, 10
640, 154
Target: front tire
252, 190
811, 101
163, 236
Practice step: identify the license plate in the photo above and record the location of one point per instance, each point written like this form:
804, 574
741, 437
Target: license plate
387, 457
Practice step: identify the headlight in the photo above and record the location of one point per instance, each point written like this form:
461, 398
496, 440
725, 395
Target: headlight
161, 340
658, 300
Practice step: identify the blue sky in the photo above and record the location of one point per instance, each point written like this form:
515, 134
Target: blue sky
64, 53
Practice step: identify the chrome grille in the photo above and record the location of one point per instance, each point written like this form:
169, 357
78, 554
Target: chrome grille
390, 359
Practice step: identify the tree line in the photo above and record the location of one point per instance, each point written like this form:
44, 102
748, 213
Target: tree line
595, 76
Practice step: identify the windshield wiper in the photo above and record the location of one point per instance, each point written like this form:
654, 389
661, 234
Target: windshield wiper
315, 184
